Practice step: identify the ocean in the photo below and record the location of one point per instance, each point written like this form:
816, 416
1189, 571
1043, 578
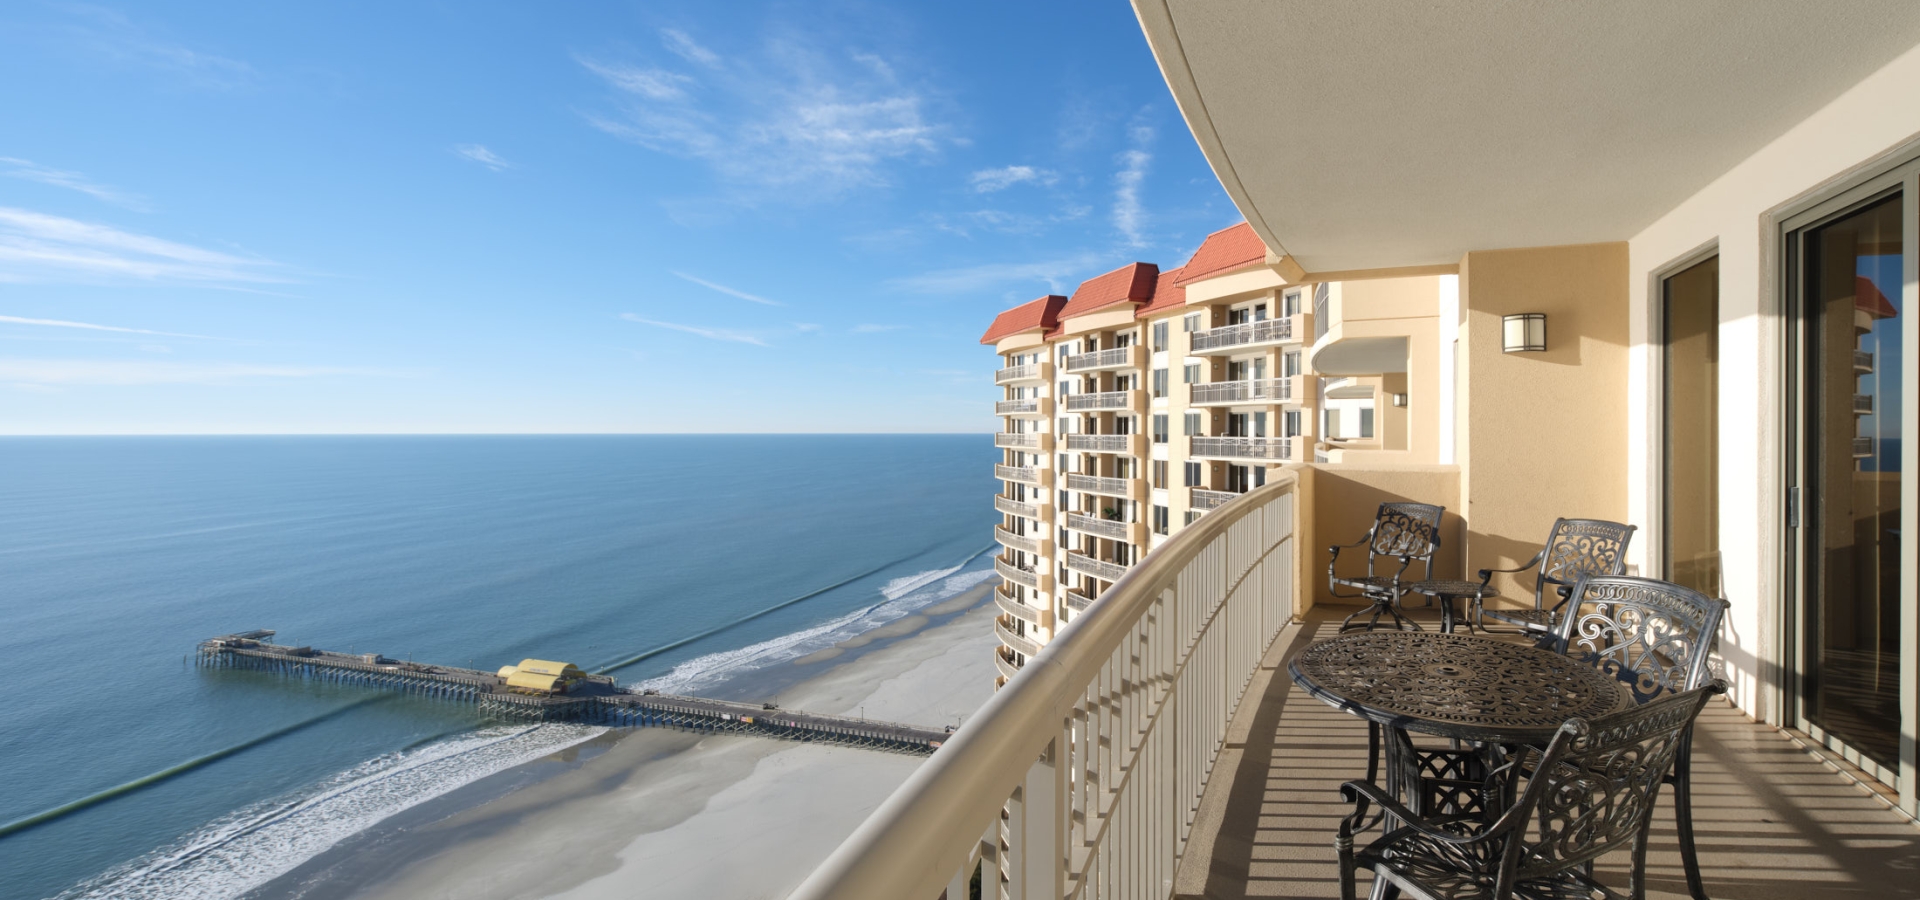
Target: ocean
678, 558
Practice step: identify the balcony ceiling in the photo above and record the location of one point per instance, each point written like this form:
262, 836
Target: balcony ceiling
1381, 133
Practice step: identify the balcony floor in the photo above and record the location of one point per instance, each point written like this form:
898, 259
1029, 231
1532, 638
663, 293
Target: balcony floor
1772, 821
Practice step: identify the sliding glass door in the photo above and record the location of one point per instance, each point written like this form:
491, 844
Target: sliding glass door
1690, 478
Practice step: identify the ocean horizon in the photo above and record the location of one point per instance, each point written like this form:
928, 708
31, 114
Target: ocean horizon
676, 559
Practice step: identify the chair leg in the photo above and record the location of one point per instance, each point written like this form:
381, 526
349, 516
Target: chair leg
1683, 816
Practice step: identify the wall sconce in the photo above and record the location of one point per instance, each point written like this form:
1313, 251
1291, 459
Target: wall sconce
1400, 400
1525, 332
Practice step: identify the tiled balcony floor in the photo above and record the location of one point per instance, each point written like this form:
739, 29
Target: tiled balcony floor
1772, 821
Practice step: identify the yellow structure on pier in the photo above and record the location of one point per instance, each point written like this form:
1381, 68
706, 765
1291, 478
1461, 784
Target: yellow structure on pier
540, 676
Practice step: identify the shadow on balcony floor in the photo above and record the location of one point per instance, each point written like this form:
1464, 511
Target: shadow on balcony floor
1772, 821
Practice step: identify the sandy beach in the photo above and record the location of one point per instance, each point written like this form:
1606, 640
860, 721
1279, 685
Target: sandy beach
658, 813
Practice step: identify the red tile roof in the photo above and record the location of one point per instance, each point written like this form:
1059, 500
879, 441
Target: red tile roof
1167, 294
1868, 299
1041, 313
1132, 282
1224, 251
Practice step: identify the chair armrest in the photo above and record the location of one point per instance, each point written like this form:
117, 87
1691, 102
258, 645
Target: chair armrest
1486, 575
1359, 793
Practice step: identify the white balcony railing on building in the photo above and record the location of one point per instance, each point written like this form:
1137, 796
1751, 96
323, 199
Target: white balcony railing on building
1263, 390
1010, 441
1078, 602
1243, 448
1100, 443
1013, 374
1016, 508
1017, 643
1021, 474
1117, 358
1016, 609
1245, 334
1096, 484
1027, 578
1081, 776
1105, 400
1105, 528
1024, 542
1002, 660
1029, 406
1098, 568
1204, 500
1863, 360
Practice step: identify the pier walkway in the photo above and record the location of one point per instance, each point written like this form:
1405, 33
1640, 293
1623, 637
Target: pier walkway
588, 699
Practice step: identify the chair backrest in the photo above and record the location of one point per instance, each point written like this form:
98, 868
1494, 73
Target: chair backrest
1577, 548
1410, 530
1594, 787
1651, 634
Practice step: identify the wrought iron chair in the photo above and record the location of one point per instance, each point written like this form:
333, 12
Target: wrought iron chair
1574, 548
1654, 636
1408, 532
1589, 792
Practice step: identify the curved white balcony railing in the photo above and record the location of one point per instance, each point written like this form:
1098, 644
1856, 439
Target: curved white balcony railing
1104, 443
1028, 406
1097, 484
1018, 374
1088, 767
1008, 668
1025, 542
1025, 577
1242, 448
1021, 474
1017, 508
1015, 642
1117, 358
1105, 400
1245, 334
1098, 568
1077, 601
1014, 608
1203, 500
1032, 440
1106, 528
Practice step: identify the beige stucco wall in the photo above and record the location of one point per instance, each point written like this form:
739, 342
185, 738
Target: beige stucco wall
1397, 307
1542, 435
1339, 502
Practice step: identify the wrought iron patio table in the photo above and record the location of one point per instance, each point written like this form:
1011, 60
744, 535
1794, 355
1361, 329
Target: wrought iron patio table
1447, 590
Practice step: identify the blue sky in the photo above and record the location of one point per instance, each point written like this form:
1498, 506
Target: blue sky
468, 217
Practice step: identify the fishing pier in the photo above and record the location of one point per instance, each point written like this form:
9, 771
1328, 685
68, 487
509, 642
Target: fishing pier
564, 694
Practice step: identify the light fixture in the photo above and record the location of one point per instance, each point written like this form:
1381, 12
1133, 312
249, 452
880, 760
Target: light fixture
1400, 400
1524, 332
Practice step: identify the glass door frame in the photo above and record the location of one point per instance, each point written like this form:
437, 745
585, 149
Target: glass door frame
1654, 537
1903, 179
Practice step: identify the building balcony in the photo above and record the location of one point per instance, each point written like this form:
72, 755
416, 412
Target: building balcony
1025, 408
1131, 532
1108, 401
1102, 360
1105, 570
1022, 475
1032, 615
1030, 579
1003, 661
1023, 542
1862, 447
1040, 372
1250, 392
1078, 602
1025, 646
1247, 336
1032, 441
1863, 404
1128, 488
1024, 509
1201, 500
1127, 444
1863, 361
1256, 449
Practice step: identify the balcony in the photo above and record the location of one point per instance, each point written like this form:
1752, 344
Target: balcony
1863, 404
1098, 568
1026, 408
1230, 393
1027, 510
1027, 578
1031, 615
1106, 401
1106, 528
1863, 361
1022, 475
1101, 360
1862, 447
1078, 602
1127, 488
1014, 642
1244, 336
1003, 661
1040, 371
1247, 448
1032, 442
1023, 542
1205, 500
1128, 444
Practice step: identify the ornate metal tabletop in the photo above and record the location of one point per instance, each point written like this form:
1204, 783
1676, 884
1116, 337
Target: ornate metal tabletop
1455, 685
1452, 588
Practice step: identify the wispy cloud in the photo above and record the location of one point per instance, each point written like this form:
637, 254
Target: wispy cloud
1129, 217
40, 247
480, 154
797, 116
89, 326
987, 181
727, 290
120, 40
712, 334
875, 329
31, 171
1054, 273
58, 372
806, 327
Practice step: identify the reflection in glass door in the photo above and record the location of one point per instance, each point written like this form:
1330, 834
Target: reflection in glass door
1690, 478
1850, 360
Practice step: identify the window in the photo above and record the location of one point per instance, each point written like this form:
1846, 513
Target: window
1063, 461
1259, 424
1331, 426
1290, 423
1366, 422
1290, 363
1066, 540
1193, 474
1159, 382
1159, 519
1239, 316
1191, 515
1191, 323
1290, 303
1259, 475
1063, 389
1192, 423
1160, 428
1159, 336
1160, 474
1191, 373
1063, 500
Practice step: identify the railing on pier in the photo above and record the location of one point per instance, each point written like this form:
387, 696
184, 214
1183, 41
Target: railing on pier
1080, 778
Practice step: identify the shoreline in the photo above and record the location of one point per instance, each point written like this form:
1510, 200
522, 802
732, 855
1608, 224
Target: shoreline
677, 811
